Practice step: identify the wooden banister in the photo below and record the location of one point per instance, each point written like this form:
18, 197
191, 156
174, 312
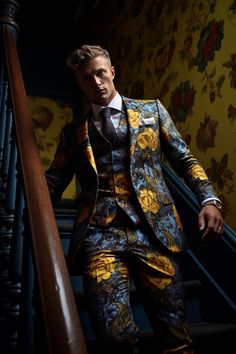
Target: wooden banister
63, 328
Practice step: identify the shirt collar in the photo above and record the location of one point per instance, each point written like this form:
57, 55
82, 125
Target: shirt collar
115, 103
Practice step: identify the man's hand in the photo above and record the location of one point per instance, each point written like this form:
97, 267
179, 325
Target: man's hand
210, 222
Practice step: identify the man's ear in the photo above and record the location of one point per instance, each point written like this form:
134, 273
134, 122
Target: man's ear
113, 71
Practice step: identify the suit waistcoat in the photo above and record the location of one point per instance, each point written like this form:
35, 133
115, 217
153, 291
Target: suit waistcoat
115, 186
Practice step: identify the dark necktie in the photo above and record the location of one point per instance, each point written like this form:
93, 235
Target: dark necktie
108, 129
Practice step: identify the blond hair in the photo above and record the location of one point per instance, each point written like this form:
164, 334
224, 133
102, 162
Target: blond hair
84, 54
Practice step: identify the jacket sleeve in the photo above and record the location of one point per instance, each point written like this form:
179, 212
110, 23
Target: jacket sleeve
184, 163
61, 170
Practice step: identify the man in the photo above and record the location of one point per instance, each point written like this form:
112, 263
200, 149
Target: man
127, 224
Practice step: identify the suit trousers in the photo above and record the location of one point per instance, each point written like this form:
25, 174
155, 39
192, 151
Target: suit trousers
117, 253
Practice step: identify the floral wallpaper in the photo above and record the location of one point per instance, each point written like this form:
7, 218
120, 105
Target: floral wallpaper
49, 115
182, 52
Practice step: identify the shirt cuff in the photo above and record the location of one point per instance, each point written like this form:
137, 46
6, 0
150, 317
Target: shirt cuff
211, 198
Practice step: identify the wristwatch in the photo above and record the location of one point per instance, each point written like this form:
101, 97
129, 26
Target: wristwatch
214, 202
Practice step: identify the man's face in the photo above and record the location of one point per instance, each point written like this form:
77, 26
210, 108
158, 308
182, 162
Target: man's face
96, 80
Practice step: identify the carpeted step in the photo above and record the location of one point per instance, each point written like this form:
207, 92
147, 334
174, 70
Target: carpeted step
213, 338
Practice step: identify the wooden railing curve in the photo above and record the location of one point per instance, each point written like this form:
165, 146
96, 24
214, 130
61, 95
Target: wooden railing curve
63, 328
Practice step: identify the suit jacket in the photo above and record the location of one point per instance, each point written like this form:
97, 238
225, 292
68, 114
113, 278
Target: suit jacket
151, 133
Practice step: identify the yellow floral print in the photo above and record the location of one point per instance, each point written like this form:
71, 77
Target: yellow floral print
171, 241
122, 184
147, 138
165, 270
156, 282
146, 101
106, 220
174, 248
131, 150
197, 170
148, 201
161, 283
134, 118
160, 263
177, 218
89, 154
123, 270
122, 320
102, 266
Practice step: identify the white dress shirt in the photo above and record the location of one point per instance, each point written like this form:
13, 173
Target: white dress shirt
116, 109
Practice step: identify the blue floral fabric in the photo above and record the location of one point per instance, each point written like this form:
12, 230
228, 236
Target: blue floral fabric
151, 134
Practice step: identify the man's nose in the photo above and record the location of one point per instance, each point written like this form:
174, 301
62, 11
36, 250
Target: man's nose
97, 80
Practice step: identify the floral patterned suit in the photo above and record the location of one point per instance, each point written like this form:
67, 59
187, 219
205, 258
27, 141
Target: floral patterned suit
151, 132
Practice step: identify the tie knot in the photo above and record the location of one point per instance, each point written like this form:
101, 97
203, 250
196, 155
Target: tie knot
106, 112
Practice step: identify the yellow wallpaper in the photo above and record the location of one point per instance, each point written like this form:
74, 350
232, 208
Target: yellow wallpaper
49, 115
183, 52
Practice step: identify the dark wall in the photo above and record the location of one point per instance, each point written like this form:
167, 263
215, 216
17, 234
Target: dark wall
45, 71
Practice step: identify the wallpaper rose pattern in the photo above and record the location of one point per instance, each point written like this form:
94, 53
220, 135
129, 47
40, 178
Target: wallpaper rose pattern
49, 115
182, 52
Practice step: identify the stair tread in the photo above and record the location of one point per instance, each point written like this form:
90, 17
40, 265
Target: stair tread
64, 227
211, 328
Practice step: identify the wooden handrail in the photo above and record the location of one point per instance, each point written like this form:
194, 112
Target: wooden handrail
63, 327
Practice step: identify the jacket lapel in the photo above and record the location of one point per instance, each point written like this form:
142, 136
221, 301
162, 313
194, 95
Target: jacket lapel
133, 109
83, 139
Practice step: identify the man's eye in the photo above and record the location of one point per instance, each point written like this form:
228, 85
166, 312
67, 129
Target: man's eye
101, 73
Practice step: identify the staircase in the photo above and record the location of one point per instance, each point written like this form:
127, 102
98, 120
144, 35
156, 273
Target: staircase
210, 334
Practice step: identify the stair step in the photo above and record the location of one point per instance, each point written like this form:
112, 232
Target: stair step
65, 221
65, 211
64, 227
212, 329
213, 338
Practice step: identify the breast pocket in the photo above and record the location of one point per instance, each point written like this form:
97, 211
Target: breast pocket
150, 121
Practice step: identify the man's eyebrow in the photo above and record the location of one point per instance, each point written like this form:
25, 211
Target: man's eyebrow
101, 68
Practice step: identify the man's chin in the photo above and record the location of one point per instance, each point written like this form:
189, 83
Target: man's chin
102, 100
